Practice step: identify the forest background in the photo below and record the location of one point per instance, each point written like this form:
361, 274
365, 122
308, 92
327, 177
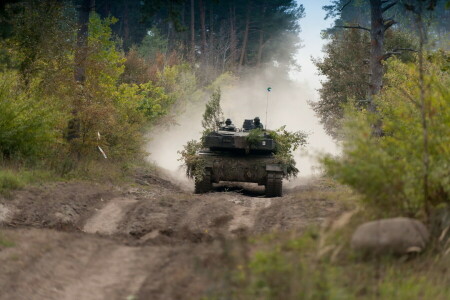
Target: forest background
82, 80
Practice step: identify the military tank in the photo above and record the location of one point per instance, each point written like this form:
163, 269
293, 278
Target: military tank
240, 155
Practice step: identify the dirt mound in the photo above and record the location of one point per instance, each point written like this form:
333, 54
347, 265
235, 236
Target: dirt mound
295, 211
58, 205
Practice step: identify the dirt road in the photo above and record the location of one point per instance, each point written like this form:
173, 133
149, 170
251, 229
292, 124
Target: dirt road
150, 240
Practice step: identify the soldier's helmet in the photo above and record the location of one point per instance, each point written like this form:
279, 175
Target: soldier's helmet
228, 122
257, 120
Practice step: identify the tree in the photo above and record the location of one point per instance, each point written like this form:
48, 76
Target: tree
84, 9
329, 108
346, 69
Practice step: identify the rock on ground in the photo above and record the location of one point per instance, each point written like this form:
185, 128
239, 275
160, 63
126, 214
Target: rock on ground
395, 236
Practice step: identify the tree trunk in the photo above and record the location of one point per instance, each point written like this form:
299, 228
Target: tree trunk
74, 124
424, 112
376, 51
192, 31
81, 49
244, 42
203, 25
211, 35
233, 39
260, 48
126, 26
261, 36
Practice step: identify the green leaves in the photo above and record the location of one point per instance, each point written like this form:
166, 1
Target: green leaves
26, 121
388, 171
213, 115
192, 162
286, 143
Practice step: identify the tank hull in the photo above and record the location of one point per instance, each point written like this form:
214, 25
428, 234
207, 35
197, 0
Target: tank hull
224, 166
239, 168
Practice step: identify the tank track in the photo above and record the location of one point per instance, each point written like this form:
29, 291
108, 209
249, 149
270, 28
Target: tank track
274, 185
204, 185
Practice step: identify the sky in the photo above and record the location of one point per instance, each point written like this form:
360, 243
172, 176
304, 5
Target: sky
311, 25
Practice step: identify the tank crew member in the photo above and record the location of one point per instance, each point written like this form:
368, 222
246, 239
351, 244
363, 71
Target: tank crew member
229, 126
257, 123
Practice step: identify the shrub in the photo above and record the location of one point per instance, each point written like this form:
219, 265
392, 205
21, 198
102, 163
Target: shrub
27, 121
389, 171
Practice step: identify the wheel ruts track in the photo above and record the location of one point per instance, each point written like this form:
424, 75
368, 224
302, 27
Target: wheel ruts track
204, 185
274, 185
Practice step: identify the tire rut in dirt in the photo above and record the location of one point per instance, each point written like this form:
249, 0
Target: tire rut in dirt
177, 218
107, 220
59, 265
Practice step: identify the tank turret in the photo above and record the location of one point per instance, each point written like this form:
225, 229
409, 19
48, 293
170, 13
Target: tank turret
240, 140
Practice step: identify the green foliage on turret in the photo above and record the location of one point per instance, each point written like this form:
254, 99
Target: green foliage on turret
213, 115
287, 143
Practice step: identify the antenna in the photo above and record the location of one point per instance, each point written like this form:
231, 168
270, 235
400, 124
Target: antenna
267, 102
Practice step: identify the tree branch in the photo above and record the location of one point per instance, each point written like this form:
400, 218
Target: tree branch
389, 54
388, 23
404, 49
353, 27
396, 51
348, 2
383, 9
410, 98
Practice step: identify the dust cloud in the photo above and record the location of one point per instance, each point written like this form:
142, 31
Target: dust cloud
246, 99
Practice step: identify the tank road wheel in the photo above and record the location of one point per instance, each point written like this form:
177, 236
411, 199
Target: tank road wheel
274, 184
204, 185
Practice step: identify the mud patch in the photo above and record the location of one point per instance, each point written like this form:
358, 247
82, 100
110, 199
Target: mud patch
106, 220
5, 214
173, 218
296, 212
245, 217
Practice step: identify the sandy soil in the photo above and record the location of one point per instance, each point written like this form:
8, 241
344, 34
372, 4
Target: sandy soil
152, 240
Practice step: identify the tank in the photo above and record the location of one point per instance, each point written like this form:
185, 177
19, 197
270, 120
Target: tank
240, 155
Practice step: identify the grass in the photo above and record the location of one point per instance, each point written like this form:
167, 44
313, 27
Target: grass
13, 176
13, 179
9, 181
5, 242
291, 266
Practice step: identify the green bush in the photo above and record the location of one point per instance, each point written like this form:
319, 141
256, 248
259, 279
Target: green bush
389, 171
27, 122
286, 143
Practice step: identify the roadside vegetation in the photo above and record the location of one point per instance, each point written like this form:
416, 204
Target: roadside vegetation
81, 85
319, 263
